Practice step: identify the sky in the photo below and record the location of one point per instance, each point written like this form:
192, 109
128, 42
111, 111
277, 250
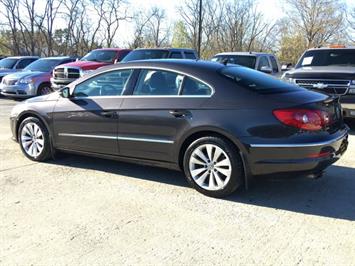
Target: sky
272, 10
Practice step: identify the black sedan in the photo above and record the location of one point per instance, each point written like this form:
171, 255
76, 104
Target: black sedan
220, 124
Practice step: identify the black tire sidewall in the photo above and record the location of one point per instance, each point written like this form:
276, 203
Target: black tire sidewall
40, 88
45, 154
237, 175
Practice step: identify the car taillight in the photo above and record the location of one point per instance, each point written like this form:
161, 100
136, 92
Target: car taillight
306, 119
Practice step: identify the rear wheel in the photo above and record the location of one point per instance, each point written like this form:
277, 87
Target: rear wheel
34, 139
44, 89
213, 166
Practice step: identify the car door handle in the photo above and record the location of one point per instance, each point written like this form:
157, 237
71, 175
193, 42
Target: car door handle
180, 113
109, 114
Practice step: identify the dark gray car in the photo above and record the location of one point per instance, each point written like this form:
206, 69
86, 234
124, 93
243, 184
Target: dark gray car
219, 124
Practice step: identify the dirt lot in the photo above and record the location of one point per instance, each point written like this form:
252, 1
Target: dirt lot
85, 211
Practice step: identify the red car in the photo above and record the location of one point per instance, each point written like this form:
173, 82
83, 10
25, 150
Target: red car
67, 73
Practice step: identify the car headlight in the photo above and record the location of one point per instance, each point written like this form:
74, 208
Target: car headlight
85, 72
287, 78
26, 81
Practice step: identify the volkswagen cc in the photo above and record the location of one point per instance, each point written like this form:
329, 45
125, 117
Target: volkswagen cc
220, 124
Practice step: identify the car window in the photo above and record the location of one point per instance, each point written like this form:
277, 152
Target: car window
112, 83
275, 67
175, 55
67, 61
158, 82
189, 55
194, 87
337, 57
24, 62
256, 81
263, 62
242, 60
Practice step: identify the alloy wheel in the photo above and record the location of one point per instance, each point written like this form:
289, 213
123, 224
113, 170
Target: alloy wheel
210, 167
32, 139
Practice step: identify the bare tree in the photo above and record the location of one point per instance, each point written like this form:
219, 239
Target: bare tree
8, 10
150, 28
319, 21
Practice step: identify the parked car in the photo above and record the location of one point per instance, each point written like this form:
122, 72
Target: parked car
329, 70
67, 73
160, 53
219, 124
15, 63
263, 62
33, 80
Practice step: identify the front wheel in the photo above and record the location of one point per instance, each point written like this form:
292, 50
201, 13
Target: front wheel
213, 166
34, 139
44, 89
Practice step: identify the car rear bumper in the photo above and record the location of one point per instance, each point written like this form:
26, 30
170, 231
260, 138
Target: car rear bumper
296, 158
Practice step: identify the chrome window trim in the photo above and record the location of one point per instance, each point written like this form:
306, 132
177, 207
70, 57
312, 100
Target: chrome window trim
299, 145
145, 96
116, 138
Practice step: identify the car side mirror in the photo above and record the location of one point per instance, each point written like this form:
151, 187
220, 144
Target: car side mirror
266, 69
65, 92
116, 61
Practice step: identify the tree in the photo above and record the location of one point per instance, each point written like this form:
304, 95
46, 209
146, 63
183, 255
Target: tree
150, 29
318, 21
180, 36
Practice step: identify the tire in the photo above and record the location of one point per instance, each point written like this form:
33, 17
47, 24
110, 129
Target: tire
44, 89
34, 139
213, 167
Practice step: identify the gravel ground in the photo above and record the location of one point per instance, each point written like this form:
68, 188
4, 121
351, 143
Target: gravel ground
85, 211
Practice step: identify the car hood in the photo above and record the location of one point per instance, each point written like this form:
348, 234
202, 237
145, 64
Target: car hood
44, 98
328, 72
4, 72
85, 65
26, 74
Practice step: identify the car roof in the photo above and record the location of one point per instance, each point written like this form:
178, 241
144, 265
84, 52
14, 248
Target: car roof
112, 49
183, 65
22, 57
244, 53
57, 58
332, 49
166, 49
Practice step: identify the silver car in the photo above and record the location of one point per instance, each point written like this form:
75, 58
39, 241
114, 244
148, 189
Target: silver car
14, 64
33, 80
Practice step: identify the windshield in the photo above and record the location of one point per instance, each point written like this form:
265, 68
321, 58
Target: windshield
43, 65
242, 60
7, 63
105, 56
336, 57
145, 54
256, 81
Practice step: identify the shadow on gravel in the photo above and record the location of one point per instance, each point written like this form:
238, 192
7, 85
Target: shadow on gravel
154, 174
332, 196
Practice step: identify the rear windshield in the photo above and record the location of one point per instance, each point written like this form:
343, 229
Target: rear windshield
7, 63
256, 81
242, 60
336, 57
145, 54
43, 65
